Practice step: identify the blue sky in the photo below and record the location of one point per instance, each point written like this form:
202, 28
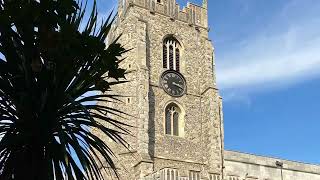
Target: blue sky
268, 73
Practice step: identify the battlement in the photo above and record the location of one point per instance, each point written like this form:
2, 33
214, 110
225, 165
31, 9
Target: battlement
192, 14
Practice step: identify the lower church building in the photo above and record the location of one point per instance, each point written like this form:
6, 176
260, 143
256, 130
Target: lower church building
177, 118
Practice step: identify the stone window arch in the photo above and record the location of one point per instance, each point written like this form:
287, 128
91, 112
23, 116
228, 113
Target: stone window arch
171, 54
173, 120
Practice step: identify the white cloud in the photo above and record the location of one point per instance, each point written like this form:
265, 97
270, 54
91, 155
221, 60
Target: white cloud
239, 97
288, 51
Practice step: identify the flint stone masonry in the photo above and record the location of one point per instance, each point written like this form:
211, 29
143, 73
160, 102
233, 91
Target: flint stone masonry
144, 24
251, 166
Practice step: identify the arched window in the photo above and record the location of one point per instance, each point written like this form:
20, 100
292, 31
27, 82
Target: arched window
172, 117
171, 54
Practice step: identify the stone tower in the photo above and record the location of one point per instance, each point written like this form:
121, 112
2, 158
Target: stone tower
177, 132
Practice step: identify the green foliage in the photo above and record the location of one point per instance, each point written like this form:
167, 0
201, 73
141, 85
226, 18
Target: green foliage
49, 65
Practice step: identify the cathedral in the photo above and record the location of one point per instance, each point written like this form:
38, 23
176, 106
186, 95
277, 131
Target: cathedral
172, 96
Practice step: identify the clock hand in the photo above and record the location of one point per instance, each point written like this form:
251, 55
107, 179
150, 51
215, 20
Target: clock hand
178, 85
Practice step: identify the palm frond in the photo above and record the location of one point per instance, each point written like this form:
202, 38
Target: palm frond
46, 112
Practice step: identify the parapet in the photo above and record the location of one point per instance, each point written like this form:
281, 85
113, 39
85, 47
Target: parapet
194, 15
269, 162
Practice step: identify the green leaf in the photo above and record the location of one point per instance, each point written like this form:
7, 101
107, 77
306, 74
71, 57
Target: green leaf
50, 64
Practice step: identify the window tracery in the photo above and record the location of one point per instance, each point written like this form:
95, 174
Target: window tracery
171, 54
172, 117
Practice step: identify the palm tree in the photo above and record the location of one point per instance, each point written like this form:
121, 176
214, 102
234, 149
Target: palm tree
49, 75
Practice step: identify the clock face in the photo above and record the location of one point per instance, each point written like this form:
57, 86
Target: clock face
173, 83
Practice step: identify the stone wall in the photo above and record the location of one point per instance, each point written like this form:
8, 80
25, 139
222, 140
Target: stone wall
241, 166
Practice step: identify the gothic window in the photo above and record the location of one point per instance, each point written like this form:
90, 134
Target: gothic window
172, 116
171, 54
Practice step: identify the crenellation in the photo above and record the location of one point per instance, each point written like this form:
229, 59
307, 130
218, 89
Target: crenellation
192, 14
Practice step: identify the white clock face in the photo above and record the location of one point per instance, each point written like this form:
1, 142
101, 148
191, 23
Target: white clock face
173, 83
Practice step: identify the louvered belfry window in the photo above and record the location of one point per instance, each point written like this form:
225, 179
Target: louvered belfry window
165, 56
171, 57
171, 54
177, 59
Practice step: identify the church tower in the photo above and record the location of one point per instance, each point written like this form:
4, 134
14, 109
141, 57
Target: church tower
176, 109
